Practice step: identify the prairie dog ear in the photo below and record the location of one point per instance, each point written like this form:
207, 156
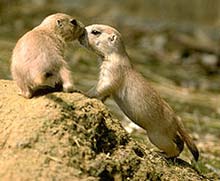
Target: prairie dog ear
112, 38
59, 23
73, 22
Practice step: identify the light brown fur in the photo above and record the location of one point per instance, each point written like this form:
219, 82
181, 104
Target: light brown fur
136, 98
38, 57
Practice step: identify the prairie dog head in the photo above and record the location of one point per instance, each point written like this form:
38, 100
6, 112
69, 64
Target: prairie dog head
103, 39
63, 25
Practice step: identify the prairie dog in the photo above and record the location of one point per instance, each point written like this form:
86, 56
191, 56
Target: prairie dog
38, 57
130, 90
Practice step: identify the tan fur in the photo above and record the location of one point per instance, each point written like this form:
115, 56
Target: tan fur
38, 57
137, 99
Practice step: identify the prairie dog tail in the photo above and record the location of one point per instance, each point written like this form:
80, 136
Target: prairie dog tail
187, 139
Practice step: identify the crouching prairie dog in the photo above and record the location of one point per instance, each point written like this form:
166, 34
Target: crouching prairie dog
130, 90
38, 57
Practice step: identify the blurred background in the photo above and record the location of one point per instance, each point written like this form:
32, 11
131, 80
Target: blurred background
174, 44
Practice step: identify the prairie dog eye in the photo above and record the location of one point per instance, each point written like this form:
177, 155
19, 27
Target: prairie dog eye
95, 32
73, 22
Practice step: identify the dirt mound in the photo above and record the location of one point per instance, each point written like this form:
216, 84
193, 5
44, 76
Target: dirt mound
63, 136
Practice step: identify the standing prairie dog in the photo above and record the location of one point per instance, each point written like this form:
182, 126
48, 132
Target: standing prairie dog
38, 57
137, 99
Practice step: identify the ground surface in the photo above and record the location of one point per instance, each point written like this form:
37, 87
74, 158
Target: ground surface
63, 136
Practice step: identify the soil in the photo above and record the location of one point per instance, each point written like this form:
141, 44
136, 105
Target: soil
64, 136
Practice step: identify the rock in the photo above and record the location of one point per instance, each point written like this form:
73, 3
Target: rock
63, 136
